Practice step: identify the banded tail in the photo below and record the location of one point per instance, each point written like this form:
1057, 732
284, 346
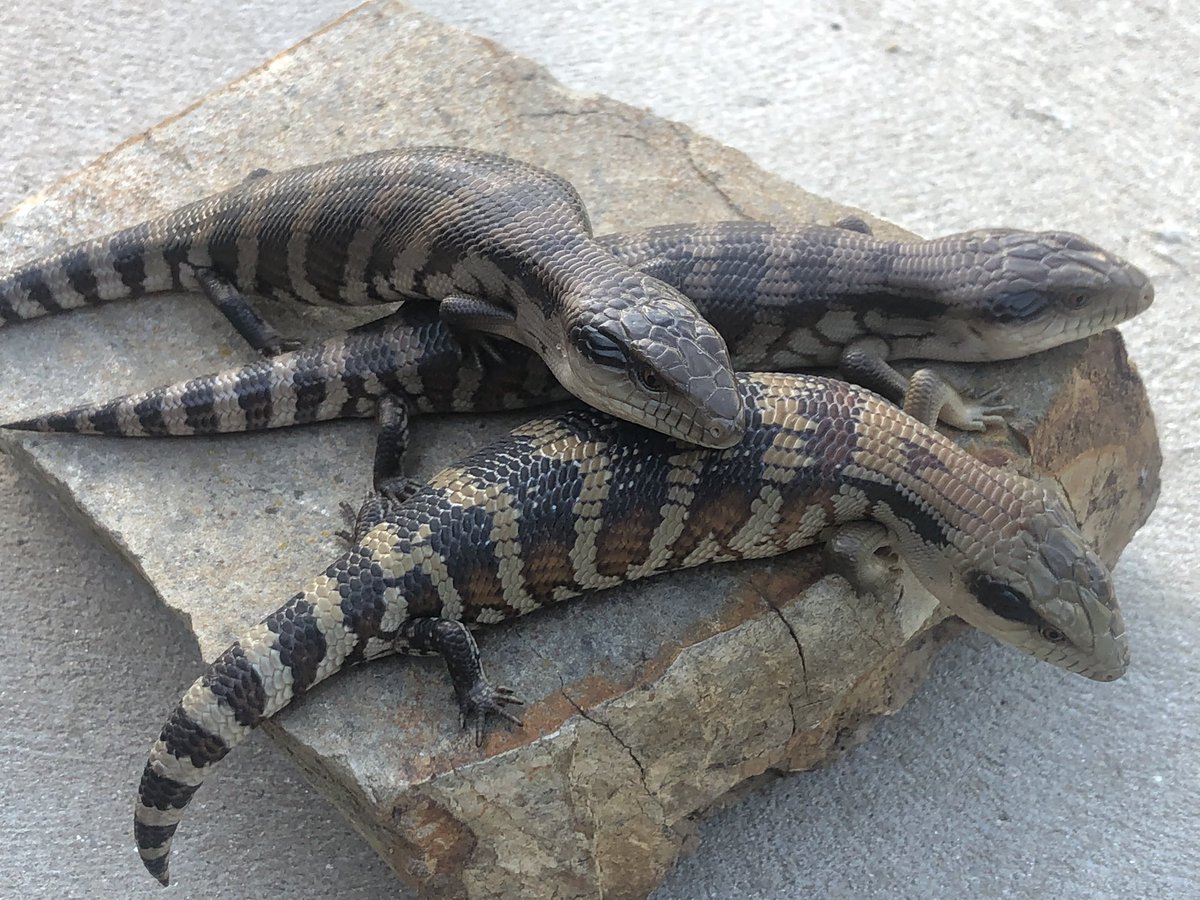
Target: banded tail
117, 267
410, 354
327, 381
305, 641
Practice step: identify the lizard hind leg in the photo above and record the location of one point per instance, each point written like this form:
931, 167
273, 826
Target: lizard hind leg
389, 485
256, 331
477, 697
863, 554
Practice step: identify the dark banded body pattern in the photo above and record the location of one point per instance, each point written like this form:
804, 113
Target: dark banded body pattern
798, 295
372, 229
581, 502
507, 244
411, 354
782, 298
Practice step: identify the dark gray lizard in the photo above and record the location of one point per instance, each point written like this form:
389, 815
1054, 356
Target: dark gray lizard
581, 502
505, 246
793, 297
782, 297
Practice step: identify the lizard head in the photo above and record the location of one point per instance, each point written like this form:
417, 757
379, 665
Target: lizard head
1029, 291
1042, 589
652, 359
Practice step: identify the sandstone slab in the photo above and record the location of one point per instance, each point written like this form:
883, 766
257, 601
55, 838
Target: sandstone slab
648, 704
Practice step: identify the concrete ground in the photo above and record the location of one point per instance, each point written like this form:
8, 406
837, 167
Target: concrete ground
1003, 777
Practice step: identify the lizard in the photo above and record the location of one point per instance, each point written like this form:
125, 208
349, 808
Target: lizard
580, 501
505, 246
811, 296
782, 297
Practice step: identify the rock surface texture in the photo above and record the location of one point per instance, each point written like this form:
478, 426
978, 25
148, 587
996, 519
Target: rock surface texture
647, 705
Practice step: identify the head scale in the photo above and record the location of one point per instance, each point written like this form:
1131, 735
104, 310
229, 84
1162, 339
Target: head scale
1033, 290
1045, 591
652, 359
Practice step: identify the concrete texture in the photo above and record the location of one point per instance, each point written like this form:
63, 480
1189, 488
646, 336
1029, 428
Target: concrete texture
987, 782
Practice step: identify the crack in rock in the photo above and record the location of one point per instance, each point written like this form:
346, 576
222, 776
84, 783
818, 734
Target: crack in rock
628, 749
799, 652
706, 176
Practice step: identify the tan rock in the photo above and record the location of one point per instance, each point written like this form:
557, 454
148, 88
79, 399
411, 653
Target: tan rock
647, 704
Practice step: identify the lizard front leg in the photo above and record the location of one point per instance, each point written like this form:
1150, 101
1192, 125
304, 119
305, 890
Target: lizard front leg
926, 396
452, 640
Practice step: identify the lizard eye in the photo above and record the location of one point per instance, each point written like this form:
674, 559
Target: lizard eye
1052, 634
1078, 301
649, 379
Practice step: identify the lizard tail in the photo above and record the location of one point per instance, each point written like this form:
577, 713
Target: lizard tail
410, 353
323, 382
298, 645
91, 273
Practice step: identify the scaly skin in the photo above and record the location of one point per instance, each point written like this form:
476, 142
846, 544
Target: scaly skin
800, 294
534, 519
507, 247
782, 297
411, 354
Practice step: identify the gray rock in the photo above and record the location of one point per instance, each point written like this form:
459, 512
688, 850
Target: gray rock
648, 704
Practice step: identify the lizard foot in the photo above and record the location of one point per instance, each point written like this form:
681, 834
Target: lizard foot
485, 699
350, 519
977, 413
862, 553
929, 399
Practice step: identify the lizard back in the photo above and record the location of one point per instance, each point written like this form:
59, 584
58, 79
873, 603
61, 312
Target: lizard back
507, 246
580, 502
375, 228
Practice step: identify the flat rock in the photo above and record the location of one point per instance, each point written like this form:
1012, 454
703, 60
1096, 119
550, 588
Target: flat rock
648, 704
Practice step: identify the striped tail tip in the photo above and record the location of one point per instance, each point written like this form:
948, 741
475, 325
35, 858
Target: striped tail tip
102, 419
174, 771
40, 423
156, 815
154, 841
251, 681
158, 867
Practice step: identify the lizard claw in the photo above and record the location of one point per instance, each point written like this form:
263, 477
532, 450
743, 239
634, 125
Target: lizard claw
483, 700
979, 412
349, 519
987, 409
487, 347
